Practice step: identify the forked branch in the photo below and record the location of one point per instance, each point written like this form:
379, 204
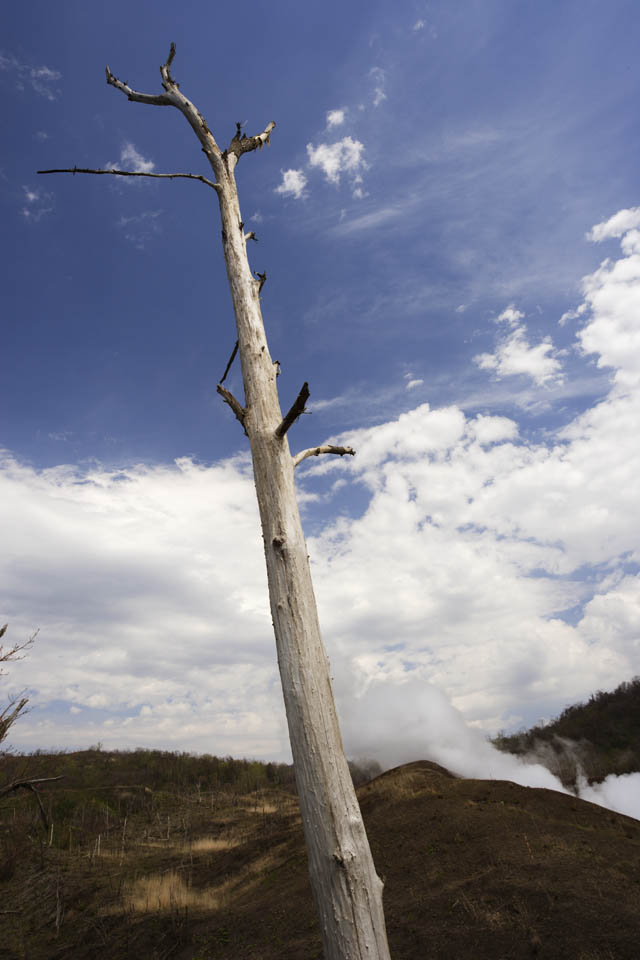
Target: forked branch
325, 448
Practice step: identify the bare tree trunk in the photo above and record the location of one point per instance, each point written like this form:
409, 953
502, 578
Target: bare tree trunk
347, 890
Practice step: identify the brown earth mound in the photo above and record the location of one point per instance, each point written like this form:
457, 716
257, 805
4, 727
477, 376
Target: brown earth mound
473, 869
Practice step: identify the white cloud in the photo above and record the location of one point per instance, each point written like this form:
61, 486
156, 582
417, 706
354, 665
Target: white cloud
335, 118
378, 77
344, 156
612, 296
488, 577
515, 356
615, 226
293, 184
131, 159
42, 80
418, 25
412, 384
510, 315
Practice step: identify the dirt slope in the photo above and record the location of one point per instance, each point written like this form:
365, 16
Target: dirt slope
473, 870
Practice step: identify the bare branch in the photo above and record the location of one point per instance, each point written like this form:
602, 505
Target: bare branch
296, 410
12, 653
30, 785
231, 359
174, 98
27, 784
326, 448
242, 144
132, 173
250, 236
262, 277
237, 407
158, 100
10, 714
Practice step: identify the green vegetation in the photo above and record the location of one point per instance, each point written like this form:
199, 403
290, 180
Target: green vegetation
594, 739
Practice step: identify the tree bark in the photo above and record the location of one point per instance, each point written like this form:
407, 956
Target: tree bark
346, 888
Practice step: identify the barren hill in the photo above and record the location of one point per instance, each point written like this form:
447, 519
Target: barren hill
473, 870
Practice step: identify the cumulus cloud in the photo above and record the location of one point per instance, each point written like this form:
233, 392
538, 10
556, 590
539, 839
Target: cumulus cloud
514, 355
344, 156
335, 118
293, 184
612, 296
615, 226
42, 80
137, 609
488, 580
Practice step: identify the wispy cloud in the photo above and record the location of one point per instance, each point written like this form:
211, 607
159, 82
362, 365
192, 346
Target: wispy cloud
131, 159
37, 204
379, 79
42, 80
141, 227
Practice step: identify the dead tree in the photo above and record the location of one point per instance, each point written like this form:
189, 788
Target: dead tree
347, 890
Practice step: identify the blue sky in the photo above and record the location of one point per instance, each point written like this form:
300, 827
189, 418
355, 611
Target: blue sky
426, 217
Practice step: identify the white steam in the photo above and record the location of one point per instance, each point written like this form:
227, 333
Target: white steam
377, 725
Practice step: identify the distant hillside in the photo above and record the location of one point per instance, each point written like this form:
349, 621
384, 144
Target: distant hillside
599, 737
473, 869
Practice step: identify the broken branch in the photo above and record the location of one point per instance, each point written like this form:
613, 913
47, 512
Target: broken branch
296, 410
326, 448
242, 144
132, 173
231, 359
237, 408
30, 785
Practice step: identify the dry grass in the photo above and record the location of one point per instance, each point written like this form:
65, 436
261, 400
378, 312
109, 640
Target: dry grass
211, 844
168, 891
165, 892
404, 787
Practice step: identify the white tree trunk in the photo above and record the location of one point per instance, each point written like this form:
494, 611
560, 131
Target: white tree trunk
347, 890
